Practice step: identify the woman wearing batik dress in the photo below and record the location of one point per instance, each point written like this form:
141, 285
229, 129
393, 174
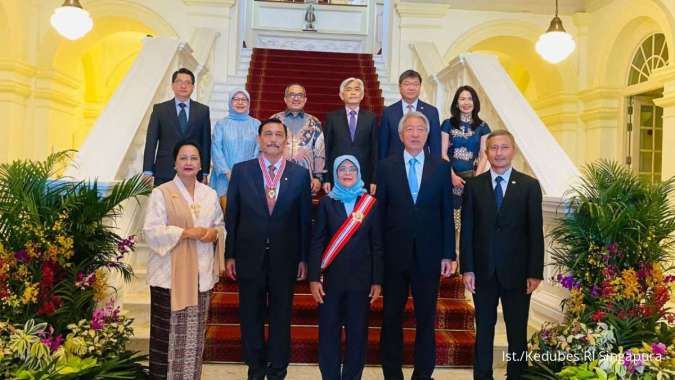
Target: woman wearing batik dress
184, 231
463, 138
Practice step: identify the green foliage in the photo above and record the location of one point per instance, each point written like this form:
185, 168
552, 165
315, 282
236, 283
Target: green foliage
64, 225
631, 332
612, 250
57, 247
611, 205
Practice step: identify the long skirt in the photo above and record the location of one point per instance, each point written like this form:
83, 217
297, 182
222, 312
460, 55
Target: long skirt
176, 338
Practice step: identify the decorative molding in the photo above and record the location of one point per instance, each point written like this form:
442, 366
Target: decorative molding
422, 10
600, 114
335, 20
58, 78
666, 101
15, 87
555, 100
663, 74
57, 97
600, 93
311, 44
18, 67
553, 121
211, 3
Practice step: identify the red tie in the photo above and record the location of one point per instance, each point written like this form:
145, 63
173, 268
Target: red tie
271, 200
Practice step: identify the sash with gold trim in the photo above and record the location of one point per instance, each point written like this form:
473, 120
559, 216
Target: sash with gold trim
347, 230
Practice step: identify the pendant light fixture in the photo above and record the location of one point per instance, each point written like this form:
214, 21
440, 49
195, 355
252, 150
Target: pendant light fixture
556, 44
71, 20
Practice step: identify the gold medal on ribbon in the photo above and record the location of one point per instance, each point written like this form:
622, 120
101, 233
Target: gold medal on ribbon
271, 193
358, 216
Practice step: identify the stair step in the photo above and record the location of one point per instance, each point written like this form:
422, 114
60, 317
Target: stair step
453, 348
313, 93
282, 53
333, 82
452, 288
300, 70
451, 314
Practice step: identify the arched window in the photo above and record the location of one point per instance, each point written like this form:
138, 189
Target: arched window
652, 54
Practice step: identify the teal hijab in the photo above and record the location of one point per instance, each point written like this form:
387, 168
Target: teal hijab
347, 194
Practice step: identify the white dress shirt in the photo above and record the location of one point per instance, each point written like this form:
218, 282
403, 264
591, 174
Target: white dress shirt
277, 167
404, 105
187, 107
356, 116
506, 176
162, 238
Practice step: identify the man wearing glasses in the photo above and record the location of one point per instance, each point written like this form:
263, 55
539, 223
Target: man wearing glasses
305, 145
174, 120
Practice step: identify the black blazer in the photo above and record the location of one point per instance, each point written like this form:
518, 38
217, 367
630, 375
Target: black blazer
339, 142
359, 264
163, 134
509, 241
390, 141
249, 224
429, 223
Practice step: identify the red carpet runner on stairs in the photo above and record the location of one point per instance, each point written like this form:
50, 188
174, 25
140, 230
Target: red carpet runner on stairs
321, 74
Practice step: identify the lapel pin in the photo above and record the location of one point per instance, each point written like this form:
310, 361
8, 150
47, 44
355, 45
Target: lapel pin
513, 182
285, 178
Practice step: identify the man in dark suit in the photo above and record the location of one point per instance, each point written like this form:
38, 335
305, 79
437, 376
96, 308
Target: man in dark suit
177, 119
352, 130
267, 221
502, 252
409, 84
414, 197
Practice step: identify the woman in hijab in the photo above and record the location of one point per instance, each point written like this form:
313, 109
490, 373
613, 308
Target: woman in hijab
235, 139
345, 270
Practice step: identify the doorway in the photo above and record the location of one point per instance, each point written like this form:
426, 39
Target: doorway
645, 136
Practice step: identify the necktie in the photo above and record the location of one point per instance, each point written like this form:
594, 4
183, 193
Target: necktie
412, 179
352, 124
499, 193
409, 108
271, 200
182, 118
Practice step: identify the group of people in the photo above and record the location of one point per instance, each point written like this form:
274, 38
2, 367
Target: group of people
388, 226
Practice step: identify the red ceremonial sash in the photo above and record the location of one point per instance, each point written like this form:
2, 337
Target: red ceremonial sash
347, 230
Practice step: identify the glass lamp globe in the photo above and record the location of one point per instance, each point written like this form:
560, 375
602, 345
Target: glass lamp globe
71, 21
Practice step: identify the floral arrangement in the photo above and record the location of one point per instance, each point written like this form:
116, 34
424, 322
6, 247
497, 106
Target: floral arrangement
611, 251
57, 250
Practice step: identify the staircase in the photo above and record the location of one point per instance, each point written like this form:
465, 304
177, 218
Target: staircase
321, 73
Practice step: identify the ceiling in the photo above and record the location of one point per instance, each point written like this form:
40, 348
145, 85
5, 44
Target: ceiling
566, 7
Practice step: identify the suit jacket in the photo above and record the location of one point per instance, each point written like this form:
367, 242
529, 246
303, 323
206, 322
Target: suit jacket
390, 142
359, 264
249, 224
428, 224
163, 134
339, 142
509, 241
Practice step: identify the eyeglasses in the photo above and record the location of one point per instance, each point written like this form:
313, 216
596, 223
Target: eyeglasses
295, 95
239, 100
349, 169
406, 83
